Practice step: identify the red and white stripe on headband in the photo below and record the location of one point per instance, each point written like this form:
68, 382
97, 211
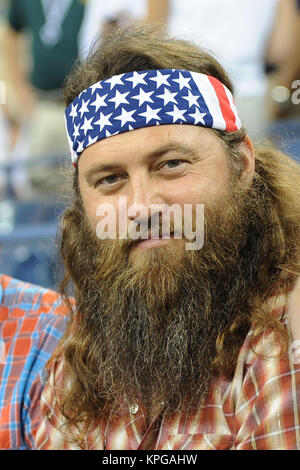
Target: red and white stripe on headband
219, 101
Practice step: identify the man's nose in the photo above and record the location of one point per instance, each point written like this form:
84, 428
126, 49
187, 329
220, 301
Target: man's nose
144, 198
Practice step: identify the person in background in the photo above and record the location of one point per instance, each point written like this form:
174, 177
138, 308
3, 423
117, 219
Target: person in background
285, 81
5, 122
47, 30
242, 36
32, 320
102, 18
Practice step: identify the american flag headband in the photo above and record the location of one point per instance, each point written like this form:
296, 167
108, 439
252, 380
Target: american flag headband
140, 99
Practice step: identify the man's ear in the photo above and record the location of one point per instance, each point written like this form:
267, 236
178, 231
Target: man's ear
247, 153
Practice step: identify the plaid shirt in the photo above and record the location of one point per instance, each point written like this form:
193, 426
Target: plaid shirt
31, 323
258, 409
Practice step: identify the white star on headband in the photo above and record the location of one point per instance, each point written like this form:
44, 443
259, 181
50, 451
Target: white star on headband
143, 97
160, 79
87, 125
76, 132
151, 114
80, 147
198, 117
73, 113
96, 86
108, 134
168, 97
176, 114
92, 141
137, 79
84, 108
182, 82
193, 100
104, 121
125, 116
99, 102
120, 98
114, 81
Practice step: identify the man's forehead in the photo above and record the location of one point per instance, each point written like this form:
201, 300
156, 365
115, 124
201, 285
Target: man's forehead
150, 141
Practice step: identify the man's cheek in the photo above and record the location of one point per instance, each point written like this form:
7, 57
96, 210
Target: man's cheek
93, 213
106, 222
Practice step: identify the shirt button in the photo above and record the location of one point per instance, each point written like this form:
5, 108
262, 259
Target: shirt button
134, 409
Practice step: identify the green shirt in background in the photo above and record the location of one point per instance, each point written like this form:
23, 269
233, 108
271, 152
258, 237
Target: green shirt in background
50, 64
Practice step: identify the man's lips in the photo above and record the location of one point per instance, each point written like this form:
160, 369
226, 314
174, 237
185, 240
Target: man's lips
146, 244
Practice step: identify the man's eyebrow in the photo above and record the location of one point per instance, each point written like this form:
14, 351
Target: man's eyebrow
159, 152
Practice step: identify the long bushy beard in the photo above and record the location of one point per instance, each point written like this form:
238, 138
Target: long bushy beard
150, 324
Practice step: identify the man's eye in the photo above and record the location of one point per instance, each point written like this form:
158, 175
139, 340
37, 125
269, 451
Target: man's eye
108, 180
170, 164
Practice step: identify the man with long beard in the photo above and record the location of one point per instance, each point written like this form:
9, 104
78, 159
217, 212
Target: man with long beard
169, 348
